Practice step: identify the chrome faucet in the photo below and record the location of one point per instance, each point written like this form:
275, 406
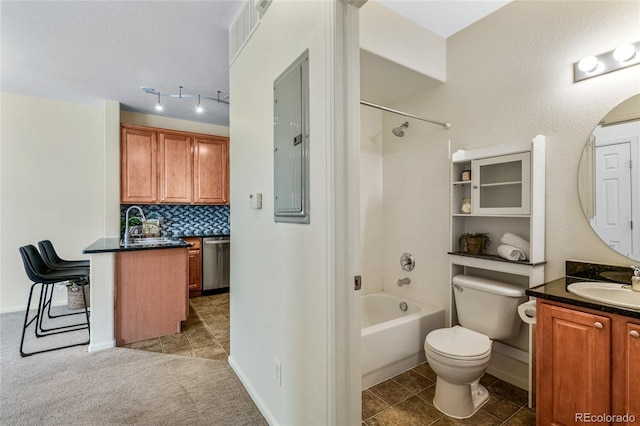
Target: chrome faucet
403, 281
126, 223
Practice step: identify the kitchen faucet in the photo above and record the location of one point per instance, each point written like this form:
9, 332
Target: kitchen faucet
126, 223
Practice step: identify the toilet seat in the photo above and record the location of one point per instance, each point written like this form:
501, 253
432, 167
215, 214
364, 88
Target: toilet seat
459, 343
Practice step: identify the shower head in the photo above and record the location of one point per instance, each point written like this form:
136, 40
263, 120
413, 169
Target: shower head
399, 131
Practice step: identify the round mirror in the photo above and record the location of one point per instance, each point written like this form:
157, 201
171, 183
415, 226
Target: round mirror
609, 179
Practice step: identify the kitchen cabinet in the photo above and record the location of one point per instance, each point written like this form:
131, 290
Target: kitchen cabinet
138, 166
176, 175
195, 267
211, 171
151, 299
588, 364
173, 167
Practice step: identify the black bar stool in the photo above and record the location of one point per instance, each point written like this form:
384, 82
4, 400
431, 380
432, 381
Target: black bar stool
53, 261
39, 273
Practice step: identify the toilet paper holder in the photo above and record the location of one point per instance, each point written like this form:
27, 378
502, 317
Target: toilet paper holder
531, 313
527, 312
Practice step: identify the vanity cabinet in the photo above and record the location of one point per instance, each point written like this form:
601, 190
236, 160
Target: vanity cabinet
172, 167
587, 364
194, 282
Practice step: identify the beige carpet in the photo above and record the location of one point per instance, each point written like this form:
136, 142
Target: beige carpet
117, 387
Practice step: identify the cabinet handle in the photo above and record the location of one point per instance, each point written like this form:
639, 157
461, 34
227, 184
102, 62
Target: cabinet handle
634, 333
598, 324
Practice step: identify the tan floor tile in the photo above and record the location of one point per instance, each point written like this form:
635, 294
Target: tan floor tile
145, 344
425, 370
389, 417
226, 344
418, 411
487, 380
413, 381
500, 408
481, 418
201, 340
390, 392
509, 392
211, 352
185, 352
371, 404
428, 394
523, 417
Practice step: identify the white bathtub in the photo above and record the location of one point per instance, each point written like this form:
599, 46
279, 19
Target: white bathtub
392, 339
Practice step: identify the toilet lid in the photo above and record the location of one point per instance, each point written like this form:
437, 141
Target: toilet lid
458, 342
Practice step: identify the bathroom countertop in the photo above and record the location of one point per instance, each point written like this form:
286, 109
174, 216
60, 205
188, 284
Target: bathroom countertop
556, 291
110, 245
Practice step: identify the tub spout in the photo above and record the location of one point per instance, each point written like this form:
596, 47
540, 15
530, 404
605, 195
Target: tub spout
403, 281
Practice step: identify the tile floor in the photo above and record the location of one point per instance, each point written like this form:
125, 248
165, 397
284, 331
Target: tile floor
205, 333
406, 400
403, 400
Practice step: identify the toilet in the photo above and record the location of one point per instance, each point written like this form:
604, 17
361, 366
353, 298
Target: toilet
487, 310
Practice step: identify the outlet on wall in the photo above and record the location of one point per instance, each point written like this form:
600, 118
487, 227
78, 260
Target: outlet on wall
278, 371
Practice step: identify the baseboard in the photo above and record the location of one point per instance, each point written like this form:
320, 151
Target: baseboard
23, 307
95, 347
264, 410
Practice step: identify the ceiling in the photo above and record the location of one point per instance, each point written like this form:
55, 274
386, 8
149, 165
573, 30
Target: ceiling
89, 51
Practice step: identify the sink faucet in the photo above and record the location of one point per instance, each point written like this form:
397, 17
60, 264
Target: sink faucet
403, 281
126, 222
635, 280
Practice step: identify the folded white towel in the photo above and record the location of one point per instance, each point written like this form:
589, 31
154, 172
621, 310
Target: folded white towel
511, 253
515, 241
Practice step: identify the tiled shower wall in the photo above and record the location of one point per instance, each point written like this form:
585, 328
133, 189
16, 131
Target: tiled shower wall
185, 220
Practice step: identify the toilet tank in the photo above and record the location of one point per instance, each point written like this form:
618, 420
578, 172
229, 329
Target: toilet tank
487, 306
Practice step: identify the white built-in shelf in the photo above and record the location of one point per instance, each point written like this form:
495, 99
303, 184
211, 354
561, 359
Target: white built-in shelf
486, 185
462, 182
524, 216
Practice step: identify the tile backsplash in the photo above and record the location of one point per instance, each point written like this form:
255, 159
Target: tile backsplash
185, 220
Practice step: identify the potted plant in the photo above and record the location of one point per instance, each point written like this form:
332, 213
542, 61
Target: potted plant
474, 243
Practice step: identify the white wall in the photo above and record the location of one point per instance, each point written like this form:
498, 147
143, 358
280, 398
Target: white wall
53, 183
509, 78
280, 273
371, 200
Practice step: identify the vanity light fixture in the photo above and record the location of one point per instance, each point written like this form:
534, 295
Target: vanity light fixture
220, 98
623, 56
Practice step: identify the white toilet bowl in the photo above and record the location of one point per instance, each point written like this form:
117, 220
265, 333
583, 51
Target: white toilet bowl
459, 357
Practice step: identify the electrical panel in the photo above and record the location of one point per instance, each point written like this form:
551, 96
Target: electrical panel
291, 143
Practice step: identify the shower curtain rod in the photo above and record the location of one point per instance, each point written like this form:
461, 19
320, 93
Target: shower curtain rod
439, 123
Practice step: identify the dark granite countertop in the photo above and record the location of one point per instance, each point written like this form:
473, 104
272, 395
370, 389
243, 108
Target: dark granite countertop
556, 291
203, 236
110, 245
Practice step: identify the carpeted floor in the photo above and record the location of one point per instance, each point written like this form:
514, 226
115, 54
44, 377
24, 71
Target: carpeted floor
116, 386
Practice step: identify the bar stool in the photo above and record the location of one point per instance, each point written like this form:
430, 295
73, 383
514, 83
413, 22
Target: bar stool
39, 273
53, 261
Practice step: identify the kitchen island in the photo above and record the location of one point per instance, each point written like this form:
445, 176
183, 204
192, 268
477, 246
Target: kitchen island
137, 292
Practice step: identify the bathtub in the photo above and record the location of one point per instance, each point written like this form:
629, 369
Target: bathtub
392, 339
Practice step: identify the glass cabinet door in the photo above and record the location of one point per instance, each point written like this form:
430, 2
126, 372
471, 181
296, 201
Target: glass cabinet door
501, 185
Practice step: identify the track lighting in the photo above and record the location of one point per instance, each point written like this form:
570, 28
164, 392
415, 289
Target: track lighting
219, 98
622, 57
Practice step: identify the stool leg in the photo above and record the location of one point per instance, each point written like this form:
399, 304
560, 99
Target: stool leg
86, 310
27, 323
61, 315
41, 331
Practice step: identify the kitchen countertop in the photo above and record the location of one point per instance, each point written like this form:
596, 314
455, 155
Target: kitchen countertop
556, 291
110, 245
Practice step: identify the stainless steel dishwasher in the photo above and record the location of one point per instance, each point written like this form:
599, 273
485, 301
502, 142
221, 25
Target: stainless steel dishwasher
215, 262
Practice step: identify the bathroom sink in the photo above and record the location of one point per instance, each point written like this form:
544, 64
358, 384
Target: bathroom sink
610, 293
152, 241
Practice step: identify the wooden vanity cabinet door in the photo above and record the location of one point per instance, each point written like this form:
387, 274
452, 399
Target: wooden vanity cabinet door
138, 166
176, 185
626, 369
211, 170
573, 364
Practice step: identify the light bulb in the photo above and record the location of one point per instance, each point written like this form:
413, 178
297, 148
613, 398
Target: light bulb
624, 53
588, 63
159, 107
199, 109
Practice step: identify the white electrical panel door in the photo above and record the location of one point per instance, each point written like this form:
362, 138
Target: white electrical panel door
291, 143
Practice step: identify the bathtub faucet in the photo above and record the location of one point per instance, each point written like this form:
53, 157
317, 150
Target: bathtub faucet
403, 281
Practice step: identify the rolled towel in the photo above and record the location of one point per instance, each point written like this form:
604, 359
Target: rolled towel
515, 241
511, 253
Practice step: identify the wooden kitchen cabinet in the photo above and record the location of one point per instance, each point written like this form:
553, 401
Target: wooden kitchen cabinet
176, 170
172, 167
138, 166
588, 363
211, 170
195, 267
151, 299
